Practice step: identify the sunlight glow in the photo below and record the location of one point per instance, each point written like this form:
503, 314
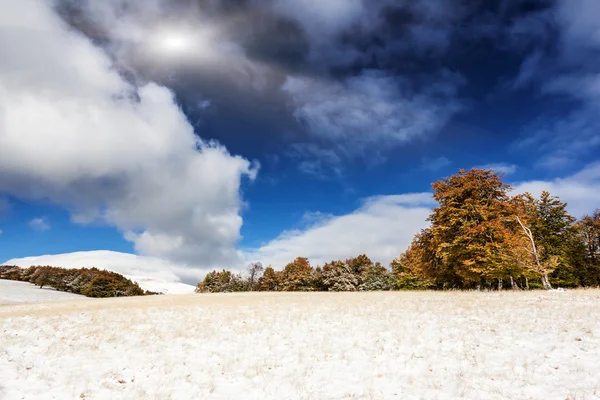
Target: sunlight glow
174, 42
181, 44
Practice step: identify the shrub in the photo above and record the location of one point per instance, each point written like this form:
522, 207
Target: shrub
88, 282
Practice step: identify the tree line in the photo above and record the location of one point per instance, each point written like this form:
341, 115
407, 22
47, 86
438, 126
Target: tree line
90, 282
479, 237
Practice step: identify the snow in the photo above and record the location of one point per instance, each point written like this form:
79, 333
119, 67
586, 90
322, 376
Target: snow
25, 292
392, 345
149, 273
161, 286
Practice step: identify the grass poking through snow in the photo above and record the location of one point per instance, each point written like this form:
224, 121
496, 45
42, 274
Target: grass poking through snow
528, 345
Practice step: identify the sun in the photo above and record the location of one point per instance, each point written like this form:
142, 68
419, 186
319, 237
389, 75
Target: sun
174, 42
182, 44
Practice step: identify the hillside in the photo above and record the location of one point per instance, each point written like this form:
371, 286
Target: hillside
24, 292
150, 274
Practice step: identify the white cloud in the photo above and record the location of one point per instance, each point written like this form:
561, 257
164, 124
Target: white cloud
579, 190
74, 132
382, 228
502, 168
39, 224
369, 112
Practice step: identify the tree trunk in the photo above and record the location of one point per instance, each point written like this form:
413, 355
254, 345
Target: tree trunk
499, 283
546, 282
513, 284
526, 283
534, 251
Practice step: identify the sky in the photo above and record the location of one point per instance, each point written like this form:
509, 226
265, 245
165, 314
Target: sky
211, 134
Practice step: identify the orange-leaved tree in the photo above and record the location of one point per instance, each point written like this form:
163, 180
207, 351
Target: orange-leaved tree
469, 230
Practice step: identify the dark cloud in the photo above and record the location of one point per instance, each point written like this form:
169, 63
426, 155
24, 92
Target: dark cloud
311, 78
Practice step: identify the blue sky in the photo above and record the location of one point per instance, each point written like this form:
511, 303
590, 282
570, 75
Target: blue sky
214, 134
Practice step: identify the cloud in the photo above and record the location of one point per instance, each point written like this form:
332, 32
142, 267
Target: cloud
347, 66
564, 65
579, 191
435, 164
341, 33
39, 224
382, 228
580, 27
322, 18
74, 132
370, 112
502, 168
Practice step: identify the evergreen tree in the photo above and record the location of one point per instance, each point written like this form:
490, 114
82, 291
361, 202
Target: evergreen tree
553, 231
587, 249
269, 281
375, 277
219, 281
338, 276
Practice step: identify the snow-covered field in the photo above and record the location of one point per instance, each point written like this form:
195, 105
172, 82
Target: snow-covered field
25, 292
529, 345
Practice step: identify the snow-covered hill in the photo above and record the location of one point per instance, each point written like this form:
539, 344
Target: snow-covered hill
150, 273
24, 292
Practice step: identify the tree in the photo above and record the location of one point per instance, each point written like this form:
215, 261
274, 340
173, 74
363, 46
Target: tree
12, 272
318, 283
297, 276
590, 230
90, 282
542, 268
468, 229
360, 264
219, 281
586, 249
338, 276
110, 284
255, 271
553, 231
269, 281
375, 278
412, 270
42, 279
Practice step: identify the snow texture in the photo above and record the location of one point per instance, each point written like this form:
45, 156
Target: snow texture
392, 345
25, 292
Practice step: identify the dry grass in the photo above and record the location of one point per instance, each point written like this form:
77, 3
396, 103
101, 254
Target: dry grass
527, 345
